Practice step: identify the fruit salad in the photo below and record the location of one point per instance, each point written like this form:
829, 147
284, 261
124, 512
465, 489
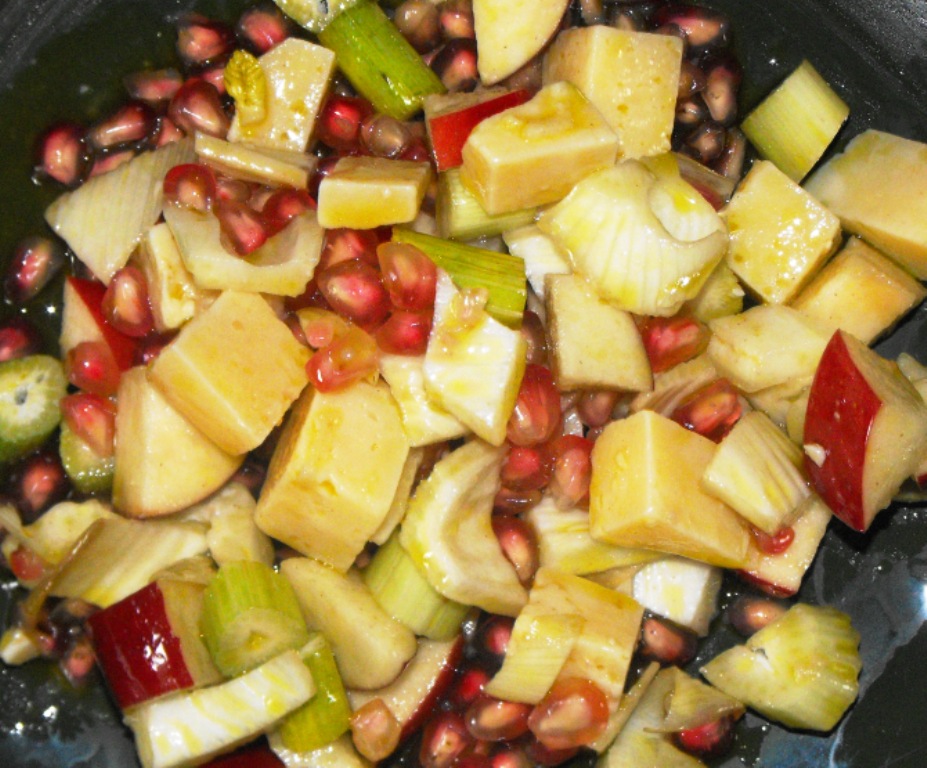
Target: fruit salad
436, 381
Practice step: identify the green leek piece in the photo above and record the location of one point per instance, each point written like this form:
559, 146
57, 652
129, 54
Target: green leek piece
502, 274
327, 715
250, 614
404, 593
796, 123
461, 217
378, 61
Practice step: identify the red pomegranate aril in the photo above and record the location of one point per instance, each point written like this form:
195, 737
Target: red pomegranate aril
39, 482
93, 419
573, 713
18, 338
541, 755
283, 205
201, 40
711, 411
355, 291
263, 27
405, 333
384, 136
509, 501
419, 23
78, 662
596, 406
571, 459
153, 86
35, 261
632, 16
417, 152
455, 65
670, 341
197, 106
125, 303
703, 28
493, 634
491, 719
409, 276
444, 739
776, 543
519, 544
26, 565
709, 740
722, 84
131, 123
107, 161
150, 347
339, 124
536, 416
667, 643
322, 328
167, 131
375, 730
475, 759
350, 357
214, 74
731, 162
64, 154
310, 297
468, 687
691, 79
510, 756
748, 614
91, 367
349, 244
242, 228
236, 190
706, 142
526, 468
456, 19
691, 112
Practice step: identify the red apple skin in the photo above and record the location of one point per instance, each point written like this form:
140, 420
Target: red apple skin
91, 293
254, 755
841, 410
767, 587
449, 131
137, 650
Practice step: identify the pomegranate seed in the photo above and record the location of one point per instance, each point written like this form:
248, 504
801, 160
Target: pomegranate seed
93, 419
35, 261
492, 639
417, 152
711, 411
347, 245
321, 327
349, 358
691, 79
509, 756
214, 74
27, 566
167, 131
443, 740
64, 154
197, 106
418, 22
110, 161
339, 124
385, 136
691, 112
201, 40
536, 416
519, 544
702, 28
571, 457
545, 756
355, 291
375, 730
455, 65
39, 482
405, 333
153, 86
670, 341
90, 366
572, 714
151, 346
775, 544
263, 27
251, 474
731, 162
509, 501
709, 740
473, 760
596, 406
705, 143
310, 297
723, 82
668, 643
468, 687
78, 662
284, 205
749, 614
456, 19
238, 191
131, 123
526, 468
125, 303
18, 338
409, 276
242, 228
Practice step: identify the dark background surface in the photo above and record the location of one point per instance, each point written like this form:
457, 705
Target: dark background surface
65, 59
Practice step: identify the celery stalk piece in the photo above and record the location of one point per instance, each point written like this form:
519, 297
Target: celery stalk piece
796, 123
402, 591
461, 217
250, 614
189, 728
378, 61
502, 274
326, 716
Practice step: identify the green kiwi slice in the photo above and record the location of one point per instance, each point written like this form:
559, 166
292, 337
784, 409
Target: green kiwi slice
31, 389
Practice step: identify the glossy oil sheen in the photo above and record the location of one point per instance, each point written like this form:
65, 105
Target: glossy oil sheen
60, 58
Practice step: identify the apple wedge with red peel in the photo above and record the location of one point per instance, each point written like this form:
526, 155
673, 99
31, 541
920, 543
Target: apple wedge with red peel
413, 696
865, 430
82, 320
149, 644
450, 117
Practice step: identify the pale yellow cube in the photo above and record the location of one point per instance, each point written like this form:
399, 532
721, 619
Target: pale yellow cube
646, 492
780, 235
233, 371
860, 291
368, 192
631, 77
534, 153
334, 472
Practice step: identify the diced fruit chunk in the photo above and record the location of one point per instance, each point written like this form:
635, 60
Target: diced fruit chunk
233, 371
800, 671
31, 388
631, 77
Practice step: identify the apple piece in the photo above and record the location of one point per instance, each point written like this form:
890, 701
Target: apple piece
149, 643
82, 320
916, 373
408, 479
509, 33
878, 188
451, 117
233, 371
679, 589
865, 430
162, 462
415, 695
104, 219
646, 492
334, 472
631, 77
534, 153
